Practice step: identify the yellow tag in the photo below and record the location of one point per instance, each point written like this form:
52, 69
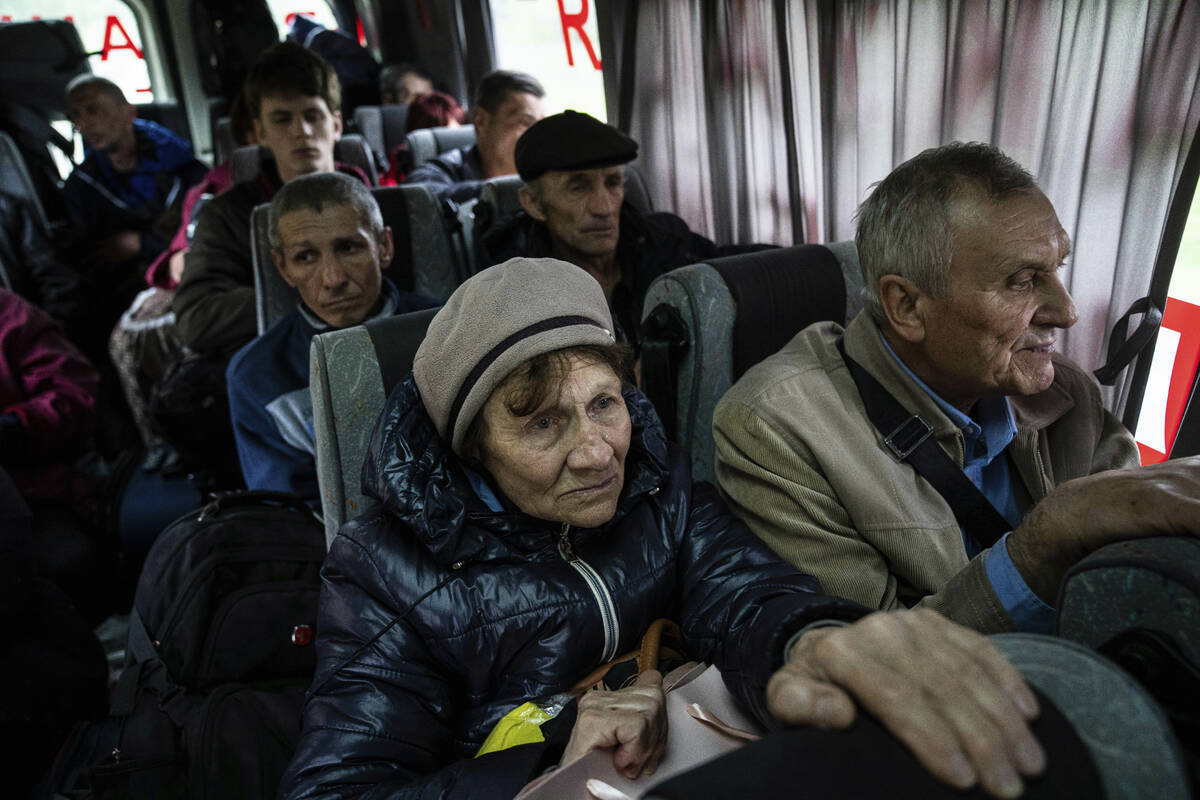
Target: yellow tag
522, 725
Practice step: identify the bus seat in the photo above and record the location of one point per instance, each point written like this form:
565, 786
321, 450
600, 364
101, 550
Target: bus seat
15, 179
246, 162
349, 386
167, 113
1135, 753
427, 143
382, 127
425, 259
637, 194
705, 324
223, 141
37, 61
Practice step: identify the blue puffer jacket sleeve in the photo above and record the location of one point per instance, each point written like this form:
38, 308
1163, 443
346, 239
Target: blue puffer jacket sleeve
740, 603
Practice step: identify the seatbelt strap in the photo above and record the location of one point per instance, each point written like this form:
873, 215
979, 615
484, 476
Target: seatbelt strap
910, 439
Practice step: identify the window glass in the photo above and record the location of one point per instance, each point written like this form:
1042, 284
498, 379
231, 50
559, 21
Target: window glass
107, 28
557, 42
282, 11
1176, 351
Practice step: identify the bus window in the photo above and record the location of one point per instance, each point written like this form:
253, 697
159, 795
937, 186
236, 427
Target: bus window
1176, 351
107, 28
556, 41
282, 11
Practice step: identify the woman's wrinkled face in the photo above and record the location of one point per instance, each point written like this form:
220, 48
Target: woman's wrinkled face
565, 462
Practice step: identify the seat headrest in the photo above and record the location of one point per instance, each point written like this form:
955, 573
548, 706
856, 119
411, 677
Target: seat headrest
37, 61
778, 293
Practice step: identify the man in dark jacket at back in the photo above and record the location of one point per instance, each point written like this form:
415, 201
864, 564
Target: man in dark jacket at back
506, 104
575, 210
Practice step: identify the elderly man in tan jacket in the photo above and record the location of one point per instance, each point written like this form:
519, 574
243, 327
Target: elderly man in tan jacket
960, 253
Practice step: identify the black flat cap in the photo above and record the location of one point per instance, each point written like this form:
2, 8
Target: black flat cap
570, 141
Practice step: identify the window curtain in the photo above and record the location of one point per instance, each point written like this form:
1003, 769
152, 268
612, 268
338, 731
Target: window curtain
1099, 99
707, 113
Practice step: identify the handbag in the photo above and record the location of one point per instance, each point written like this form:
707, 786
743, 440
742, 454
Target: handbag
704, 722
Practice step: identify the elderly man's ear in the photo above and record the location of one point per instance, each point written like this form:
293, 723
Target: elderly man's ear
531, 203
905, 306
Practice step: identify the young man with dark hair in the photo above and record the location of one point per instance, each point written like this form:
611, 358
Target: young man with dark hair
292, 97
506, 104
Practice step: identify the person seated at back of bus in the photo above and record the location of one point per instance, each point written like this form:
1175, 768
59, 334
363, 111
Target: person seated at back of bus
400, 83
506, 104
432, 110
292, 97
123, 199
575, 210
960, 254
329, 242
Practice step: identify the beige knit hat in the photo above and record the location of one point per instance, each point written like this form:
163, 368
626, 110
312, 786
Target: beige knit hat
494, 322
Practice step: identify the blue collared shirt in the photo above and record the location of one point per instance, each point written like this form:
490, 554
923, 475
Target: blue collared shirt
984, 439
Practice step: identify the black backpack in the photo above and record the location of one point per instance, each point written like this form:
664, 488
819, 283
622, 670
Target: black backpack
220, 653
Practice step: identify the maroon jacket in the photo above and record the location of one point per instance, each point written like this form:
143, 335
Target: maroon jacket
47, 399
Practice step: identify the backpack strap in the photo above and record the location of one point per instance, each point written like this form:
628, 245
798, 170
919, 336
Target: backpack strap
909, 439
147, 670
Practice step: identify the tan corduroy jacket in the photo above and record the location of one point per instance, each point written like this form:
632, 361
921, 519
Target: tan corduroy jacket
800, 461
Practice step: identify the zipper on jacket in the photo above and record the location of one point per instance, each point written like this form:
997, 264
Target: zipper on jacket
608, 609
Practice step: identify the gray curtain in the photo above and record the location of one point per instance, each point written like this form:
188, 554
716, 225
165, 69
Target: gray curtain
1098, 98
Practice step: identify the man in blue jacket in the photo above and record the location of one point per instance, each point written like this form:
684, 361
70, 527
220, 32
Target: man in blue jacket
329, 242
125, 196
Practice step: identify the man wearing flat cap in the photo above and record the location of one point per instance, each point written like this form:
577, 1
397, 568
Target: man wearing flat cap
575, 210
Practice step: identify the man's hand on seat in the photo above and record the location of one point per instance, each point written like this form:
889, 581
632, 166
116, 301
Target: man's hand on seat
1087, 513
942, 689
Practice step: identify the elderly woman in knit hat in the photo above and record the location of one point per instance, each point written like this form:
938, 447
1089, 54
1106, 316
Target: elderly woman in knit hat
533, 521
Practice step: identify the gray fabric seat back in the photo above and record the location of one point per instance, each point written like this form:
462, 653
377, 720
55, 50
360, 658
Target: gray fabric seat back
349, 386
427, 143
247, 162
427, 259
223, 141
37, 61
381, 126
1126, 733
735, 311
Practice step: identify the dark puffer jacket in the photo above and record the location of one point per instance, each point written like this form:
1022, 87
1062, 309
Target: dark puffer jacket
439, 616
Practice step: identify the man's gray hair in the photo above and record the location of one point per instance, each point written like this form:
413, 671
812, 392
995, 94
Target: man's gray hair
905, 227
103, 85
318, 190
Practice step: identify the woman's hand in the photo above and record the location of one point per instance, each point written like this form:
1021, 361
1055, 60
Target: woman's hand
631, 720
942, 689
